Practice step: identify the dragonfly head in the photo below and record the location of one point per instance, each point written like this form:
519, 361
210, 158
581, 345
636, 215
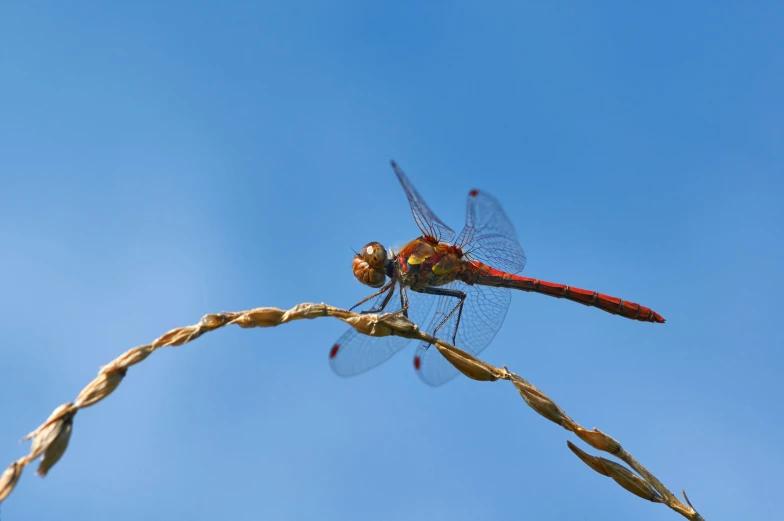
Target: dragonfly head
370, 265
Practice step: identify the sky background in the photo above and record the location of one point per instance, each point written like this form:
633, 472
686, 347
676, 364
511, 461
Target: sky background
163, 161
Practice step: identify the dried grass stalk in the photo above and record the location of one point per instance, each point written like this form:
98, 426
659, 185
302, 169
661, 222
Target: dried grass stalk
51, 438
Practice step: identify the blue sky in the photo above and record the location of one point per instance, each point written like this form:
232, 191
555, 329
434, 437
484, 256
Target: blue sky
160, 162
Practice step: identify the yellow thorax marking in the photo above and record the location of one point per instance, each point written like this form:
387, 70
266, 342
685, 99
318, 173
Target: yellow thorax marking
447, 264
421, 254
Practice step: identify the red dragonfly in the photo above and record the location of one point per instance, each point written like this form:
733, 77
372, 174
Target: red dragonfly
468, 278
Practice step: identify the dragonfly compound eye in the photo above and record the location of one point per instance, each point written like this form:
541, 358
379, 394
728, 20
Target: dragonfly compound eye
370, 265
375, 255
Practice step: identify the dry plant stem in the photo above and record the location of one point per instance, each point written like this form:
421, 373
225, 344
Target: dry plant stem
647, 486
50, 439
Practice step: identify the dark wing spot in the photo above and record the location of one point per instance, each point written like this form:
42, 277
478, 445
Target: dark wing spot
417, 363
334, 351
474, 192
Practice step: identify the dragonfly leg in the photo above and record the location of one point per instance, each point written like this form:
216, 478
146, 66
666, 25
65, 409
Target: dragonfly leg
403, 301
390, 286
456, 293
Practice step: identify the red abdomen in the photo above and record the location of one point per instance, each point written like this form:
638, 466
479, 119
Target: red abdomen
478, 273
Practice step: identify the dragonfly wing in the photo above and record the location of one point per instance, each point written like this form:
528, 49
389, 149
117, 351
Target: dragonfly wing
489, 236
355, 353
429, 363
427, 221
483, 314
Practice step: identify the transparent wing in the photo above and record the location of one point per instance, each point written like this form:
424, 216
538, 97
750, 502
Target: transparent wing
489, 236
427, 221
483, 314
355, 353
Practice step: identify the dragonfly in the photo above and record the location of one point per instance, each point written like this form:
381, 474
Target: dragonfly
460, 285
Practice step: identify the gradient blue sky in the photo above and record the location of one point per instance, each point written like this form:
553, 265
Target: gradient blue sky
160, 162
